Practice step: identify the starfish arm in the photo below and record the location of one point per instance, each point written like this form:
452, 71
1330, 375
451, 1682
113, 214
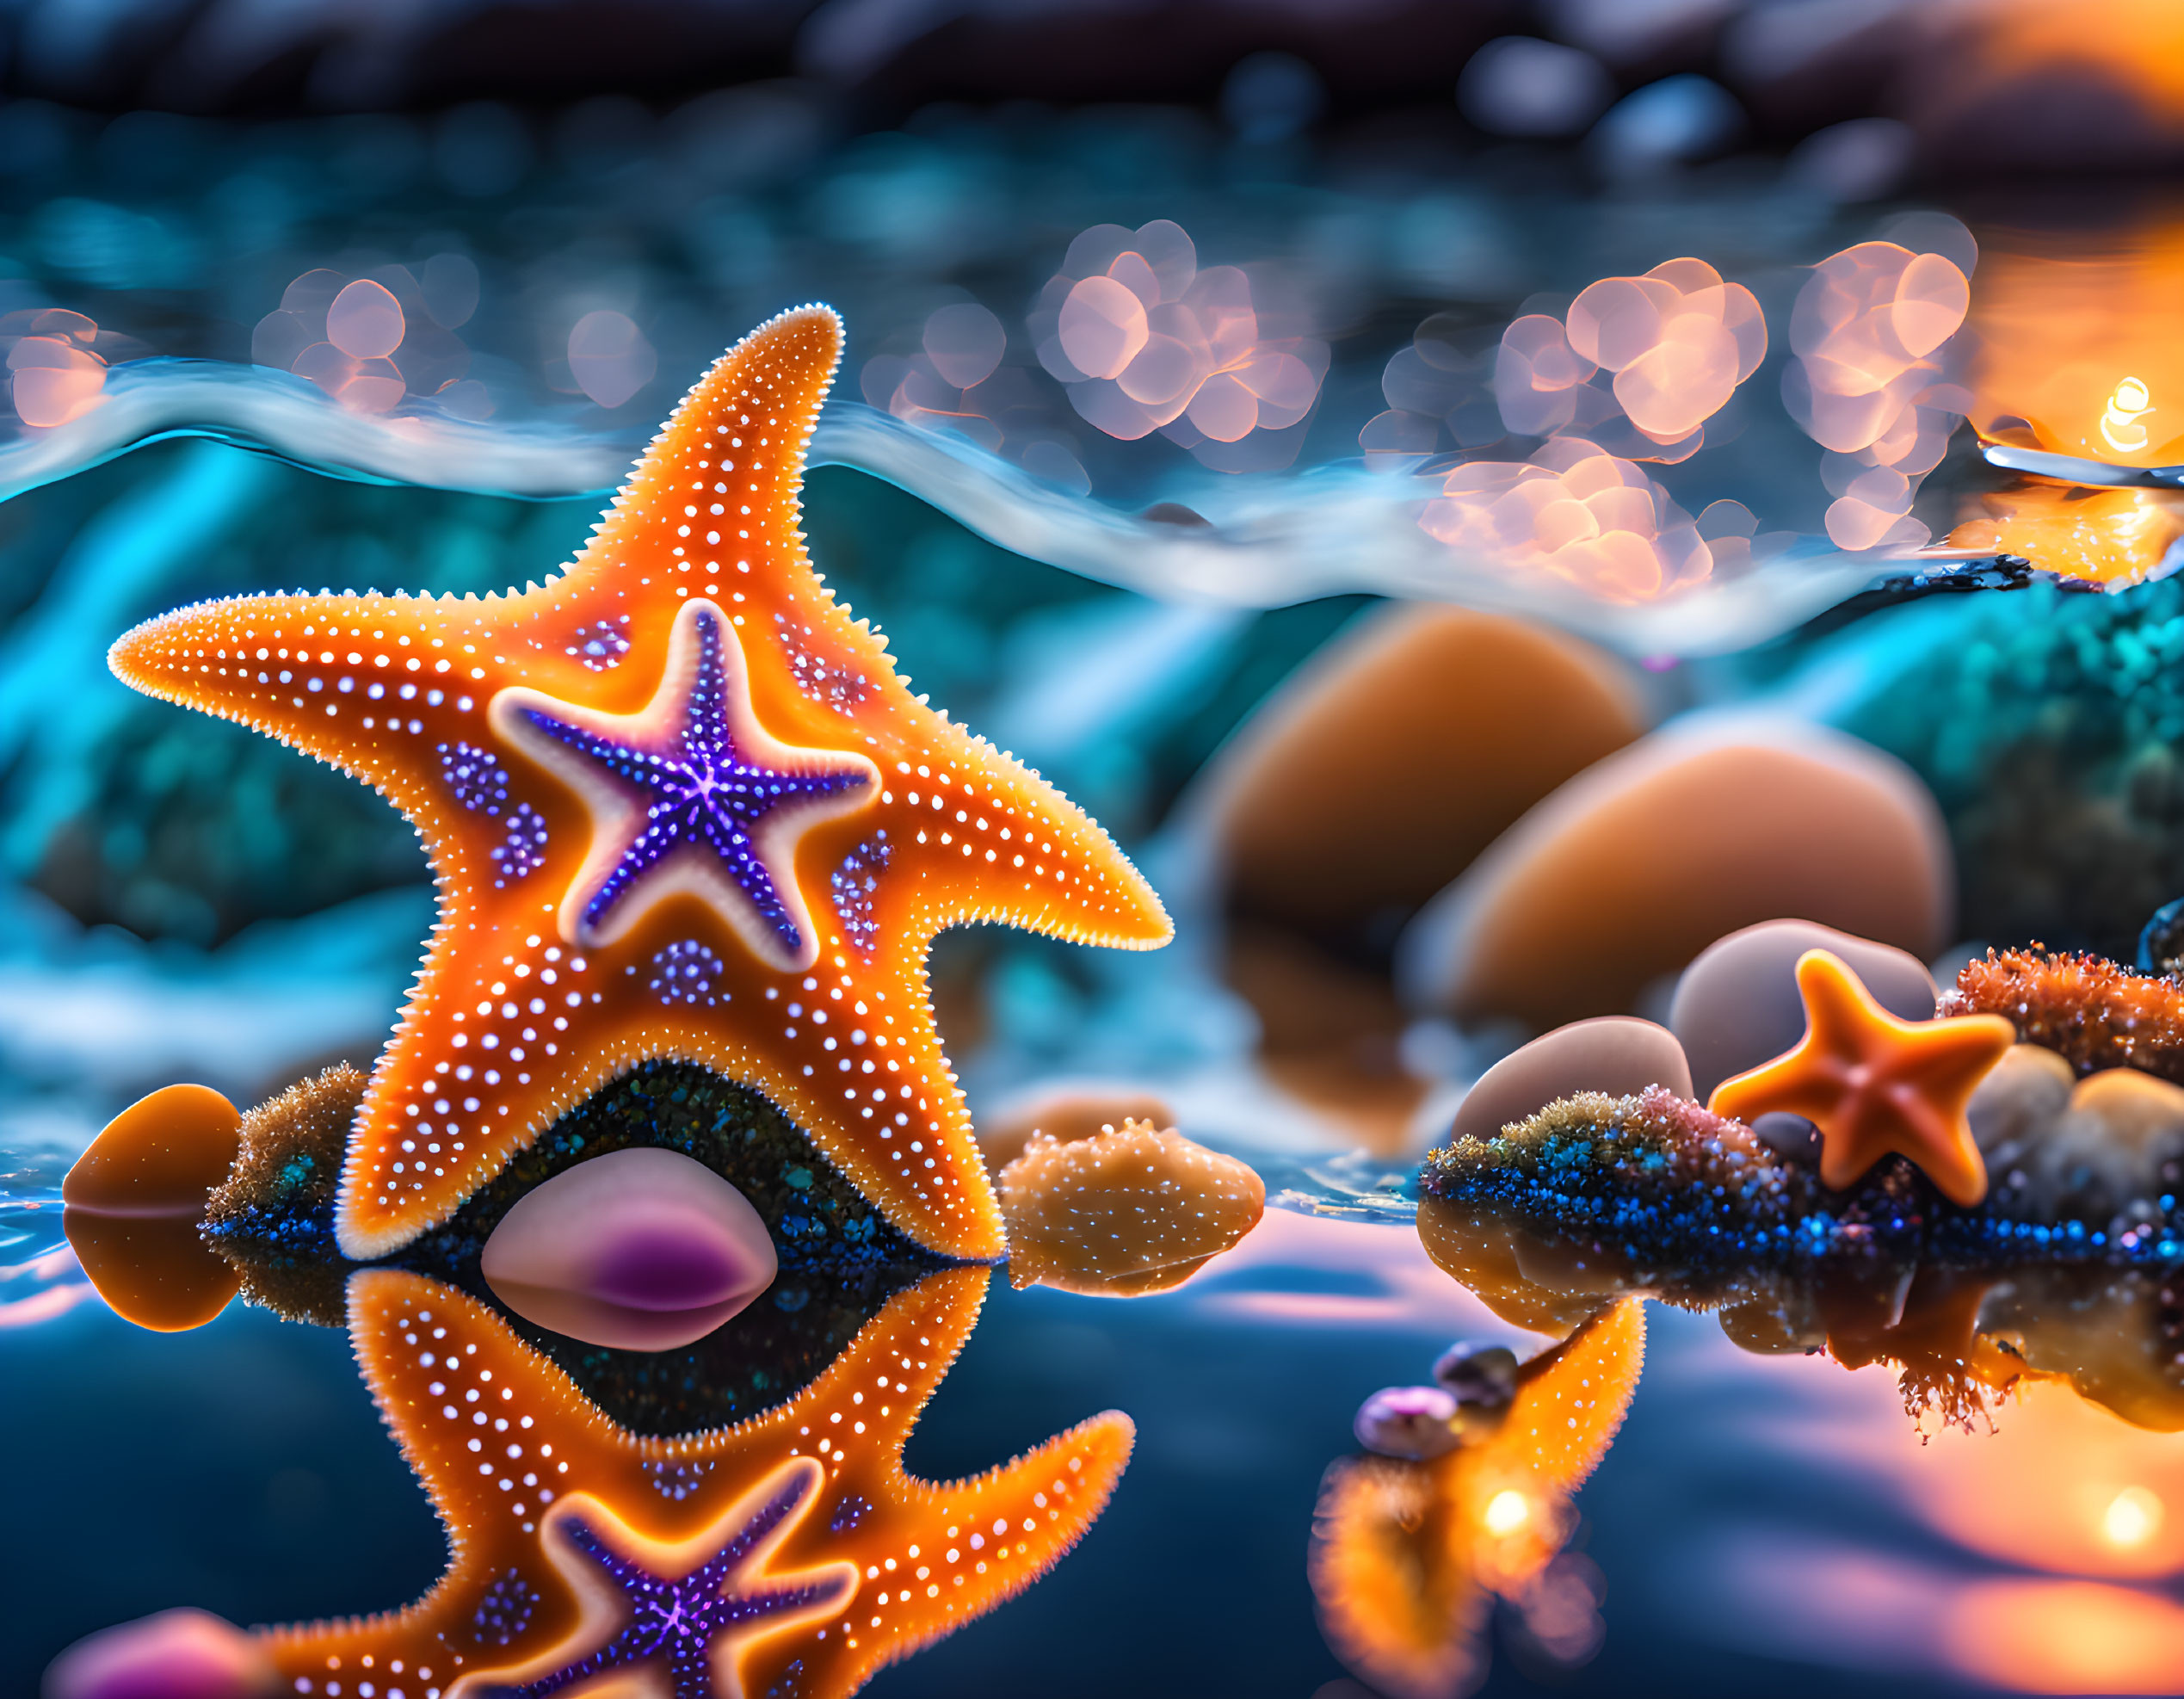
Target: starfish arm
933, 1556
723, 475
1798, 1082
980, 1542
378, 686
979, 838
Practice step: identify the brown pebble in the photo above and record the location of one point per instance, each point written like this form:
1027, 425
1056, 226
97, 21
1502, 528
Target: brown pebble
1738, 1005
1632, 868
1130, 1210
1618, 1054
1398, 753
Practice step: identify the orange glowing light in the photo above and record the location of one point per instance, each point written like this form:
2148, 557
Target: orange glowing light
2120, 428
2065, 1637
2134, 1516
2075, 336
2114, 537
2061, 1485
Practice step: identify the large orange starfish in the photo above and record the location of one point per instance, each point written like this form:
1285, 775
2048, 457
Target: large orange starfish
789, 1554
1875, 1085
680, 804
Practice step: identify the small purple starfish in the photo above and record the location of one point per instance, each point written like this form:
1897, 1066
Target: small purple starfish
698, 790
678, 1619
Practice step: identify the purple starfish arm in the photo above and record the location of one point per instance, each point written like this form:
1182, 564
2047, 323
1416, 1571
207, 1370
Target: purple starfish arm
678, 1620
698, 791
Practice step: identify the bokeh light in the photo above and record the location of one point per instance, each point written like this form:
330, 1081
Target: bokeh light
54, 374
1575, 511
610, 357
364, 321
371, 342
1145, 340
1869, 383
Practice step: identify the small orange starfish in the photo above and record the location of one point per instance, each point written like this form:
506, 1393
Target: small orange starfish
789, 1554
679, 804
1875, 1085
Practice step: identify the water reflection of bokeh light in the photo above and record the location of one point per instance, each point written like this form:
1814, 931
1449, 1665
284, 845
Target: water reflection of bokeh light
2134, 1516
2061, 1485
2076, 350
2120, 428
1507, 1511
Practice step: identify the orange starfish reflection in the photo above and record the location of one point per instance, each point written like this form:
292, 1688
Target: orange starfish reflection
1875, 1085
1407, 1557
679, 804
791, 1548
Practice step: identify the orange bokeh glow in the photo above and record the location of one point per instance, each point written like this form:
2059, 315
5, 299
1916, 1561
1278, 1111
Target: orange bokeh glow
2135, 45
2061, 1485
2065, 1637
2106, 537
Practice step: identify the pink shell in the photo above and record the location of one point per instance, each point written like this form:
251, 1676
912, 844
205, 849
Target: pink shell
641, 1250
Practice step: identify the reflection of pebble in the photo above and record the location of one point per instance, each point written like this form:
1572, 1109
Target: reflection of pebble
1410, 1422
1475, 1374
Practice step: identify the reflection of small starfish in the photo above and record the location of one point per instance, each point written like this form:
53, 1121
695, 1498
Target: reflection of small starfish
1929, 1326
679, 1619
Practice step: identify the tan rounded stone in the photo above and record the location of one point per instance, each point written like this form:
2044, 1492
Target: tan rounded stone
1398, 752
1618, 1054
1738, 1005
2018, 1104
1632, 867
2106, 1151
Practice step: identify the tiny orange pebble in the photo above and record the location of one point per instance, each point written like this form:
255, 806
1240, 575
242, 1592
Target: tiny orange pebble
159, 1157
